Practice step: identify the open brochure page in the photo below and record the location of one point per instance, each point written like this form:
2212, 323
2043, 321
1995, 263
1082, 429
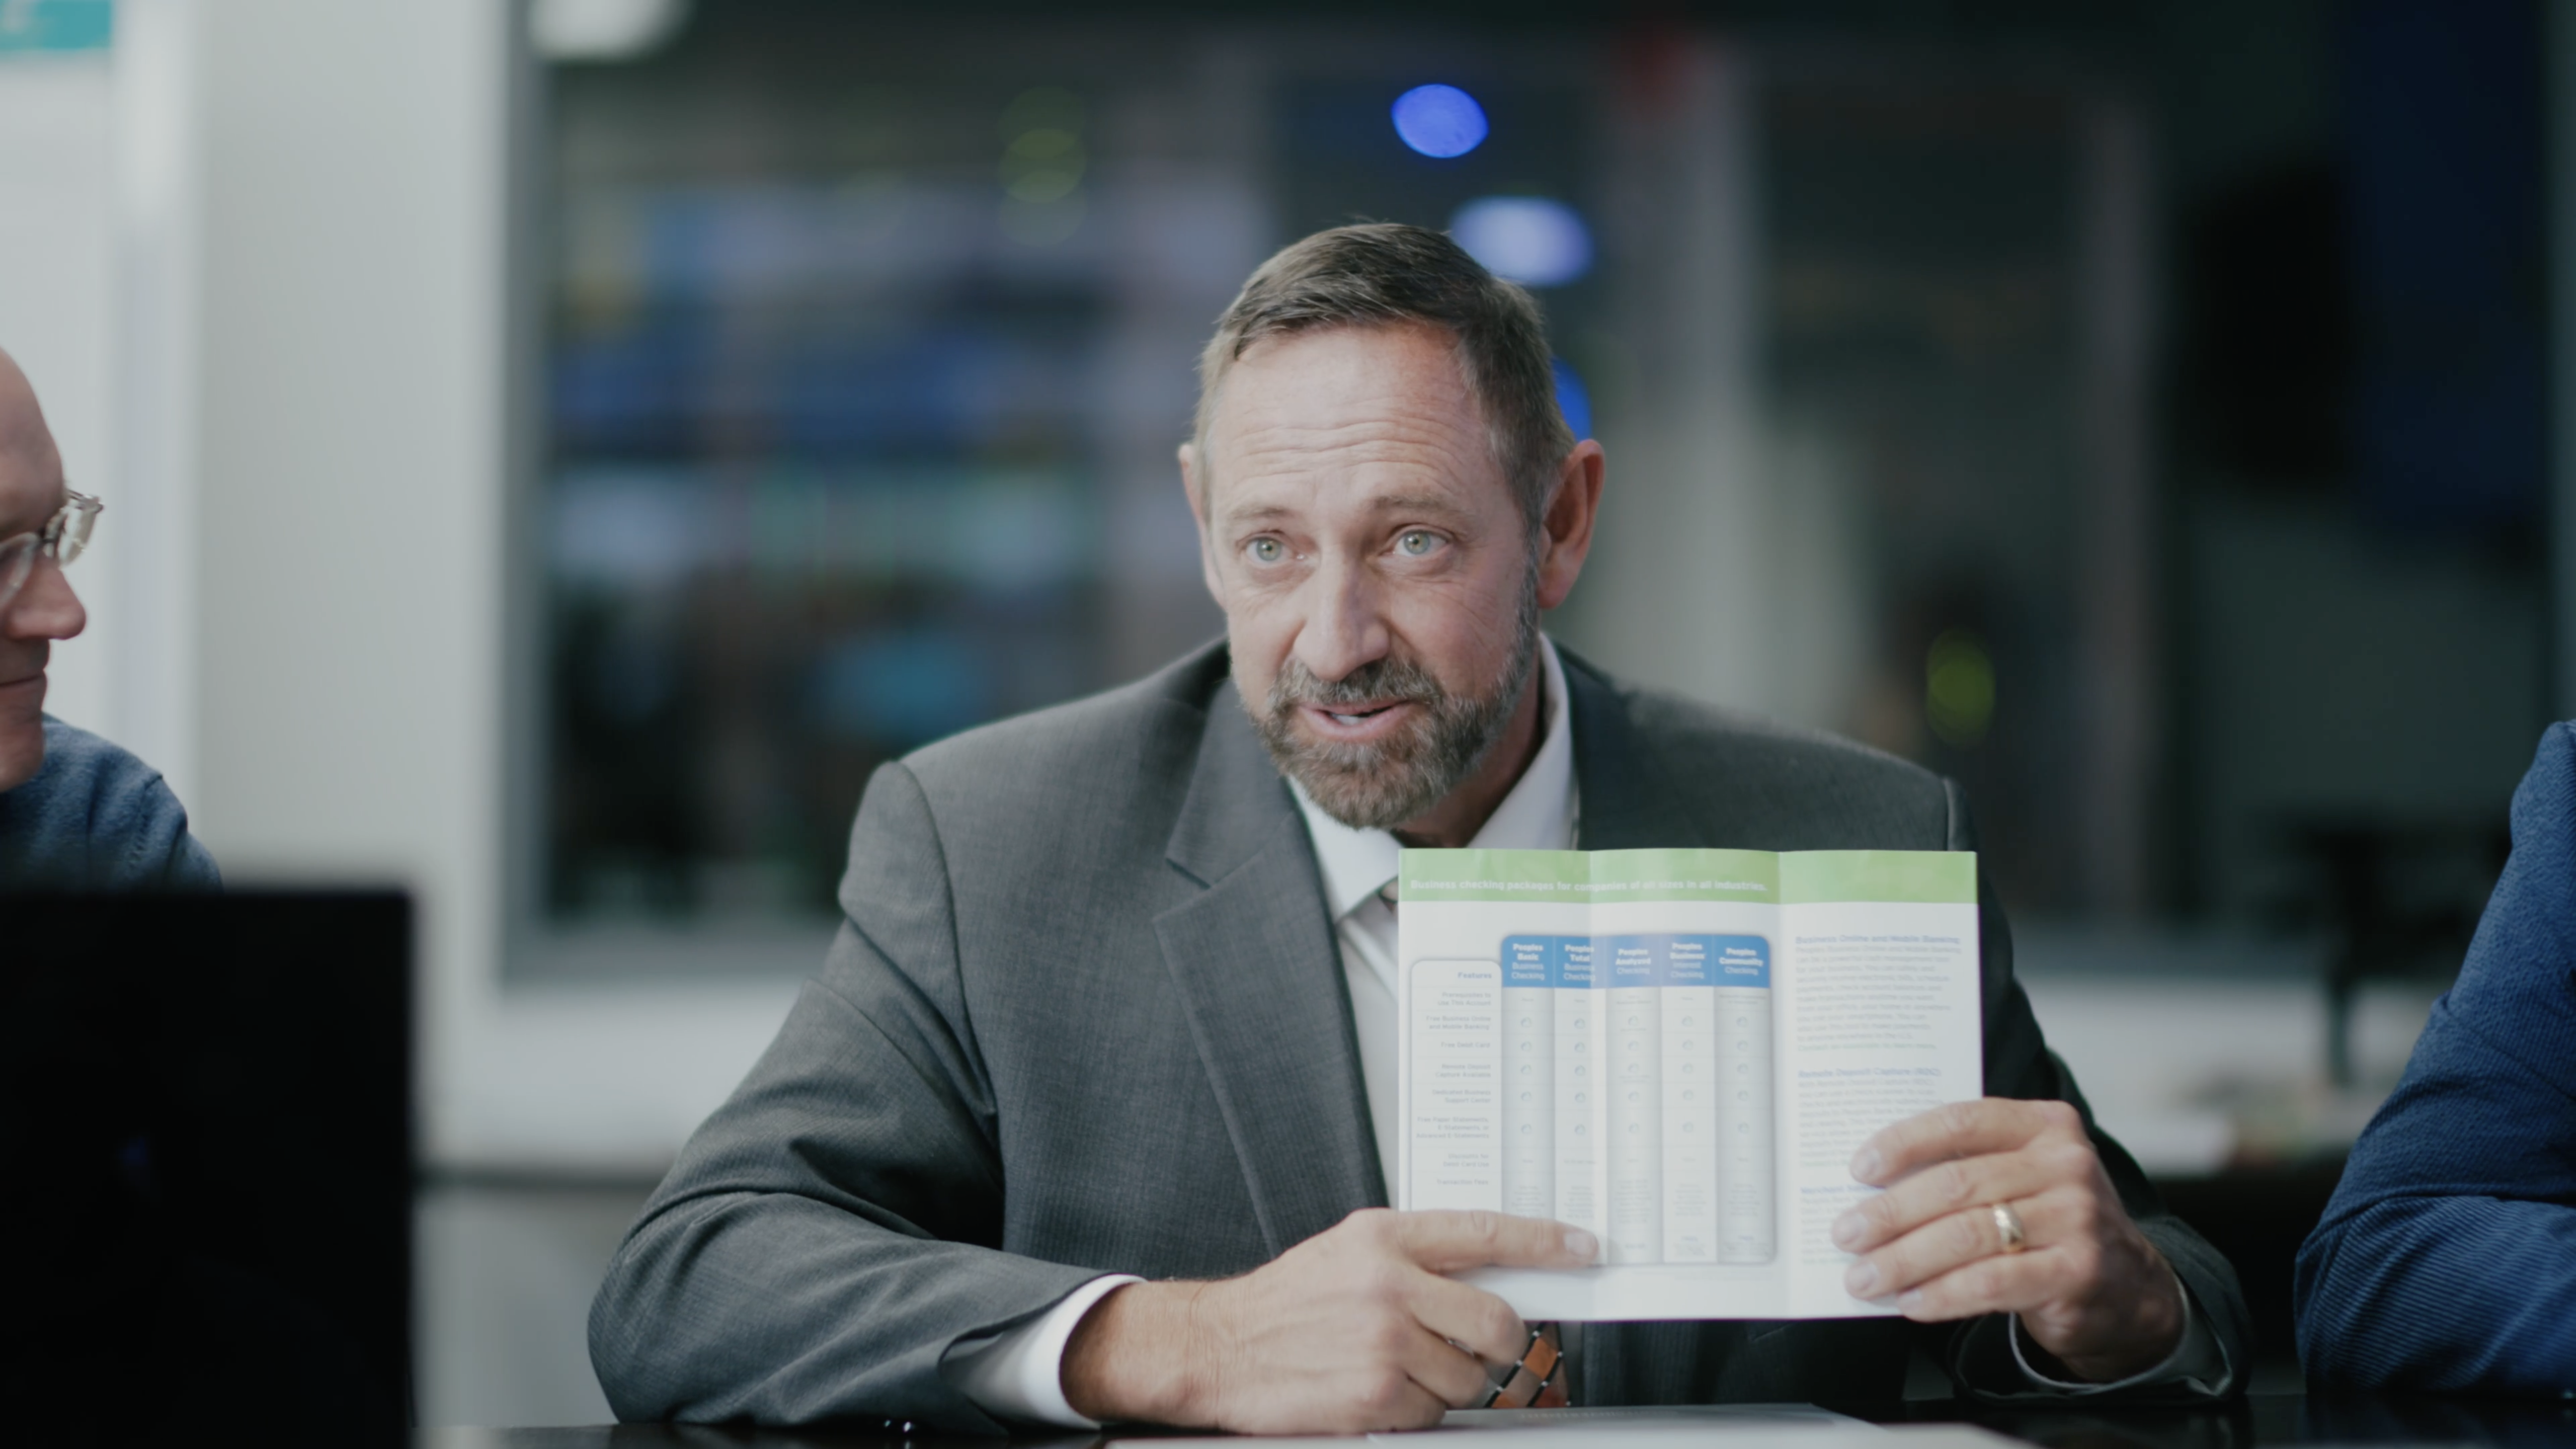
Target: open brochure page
1679, 1050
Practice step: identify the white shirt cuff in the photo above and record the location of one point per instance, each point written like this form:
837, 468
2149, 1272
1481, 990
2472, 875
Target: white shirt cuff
1019, 1373
2199, 1359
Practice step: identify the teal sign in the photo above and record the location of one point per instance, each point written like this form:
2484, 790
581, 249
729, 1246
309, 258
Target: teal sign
33, 26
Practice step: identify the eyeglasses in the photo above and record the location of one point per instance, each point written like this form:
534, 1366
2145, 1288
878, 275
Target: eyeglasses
64, 538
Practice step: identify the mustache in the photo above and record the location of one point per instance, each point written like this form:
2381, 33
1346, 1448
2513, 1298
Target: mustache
1378, 682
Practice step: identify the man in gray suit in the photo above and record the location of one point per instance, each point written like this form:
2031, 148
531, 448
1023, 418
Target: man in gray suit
1085, 1117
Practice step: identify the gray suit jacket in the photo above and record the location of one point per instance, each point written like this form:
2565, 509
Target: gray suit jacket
1086, 1015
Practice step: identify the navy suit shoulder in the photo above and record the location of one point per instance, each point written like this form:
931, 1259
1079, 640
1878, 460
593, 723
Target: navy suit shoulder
93, 817
2447, 1257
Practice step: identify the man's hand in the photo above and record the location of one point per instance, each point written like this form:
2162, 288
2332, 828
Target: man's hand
1351, 1331
2088, 1285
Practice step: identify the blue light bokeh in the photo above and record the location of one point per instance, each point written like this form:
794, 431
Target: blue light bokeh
1527, 239
1572, 399
1441, 121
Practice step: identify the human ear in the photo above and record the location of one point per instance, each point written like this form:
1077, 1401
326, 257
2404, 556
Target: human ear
1193, 484
1572, 505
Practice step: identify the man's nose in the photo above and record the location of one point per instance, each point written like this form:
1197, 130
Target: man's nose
46, 608
1343, 628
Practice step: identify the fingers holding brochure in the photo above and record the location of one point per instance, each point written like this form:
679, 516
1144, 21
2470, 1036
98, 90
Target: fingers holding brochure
1964, 1129
2002, 1206
1350, 1331
1445, 1241
1961, 1159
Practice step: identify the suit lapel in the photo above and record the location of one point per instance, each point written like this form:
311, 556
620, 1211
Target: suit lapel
1252, 956
1253, 959
1628, 803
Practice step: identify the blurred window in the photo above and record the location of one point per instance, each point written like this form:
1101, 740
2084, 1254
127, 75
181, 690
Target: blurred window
867, 342
867, 348
867, 353
1931, 280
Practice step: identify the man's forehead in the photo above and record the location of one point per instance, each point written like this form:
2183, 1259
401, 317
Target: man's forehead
31, 482
29, 470
25, 503
29, 465
1265, 500
1380, 416
1289, 473
1389, 368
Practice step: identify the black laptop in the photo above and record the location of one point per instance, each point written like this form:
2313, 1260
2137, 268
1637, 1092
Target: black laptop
206, 1164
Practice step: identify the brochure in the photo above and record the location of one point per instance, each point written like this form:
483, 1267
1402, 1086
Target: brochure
1679, 1050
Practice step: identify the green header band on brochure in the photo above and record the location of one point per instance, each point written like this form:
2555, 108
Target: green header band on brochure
1590, 875
1911, 877
1908, 876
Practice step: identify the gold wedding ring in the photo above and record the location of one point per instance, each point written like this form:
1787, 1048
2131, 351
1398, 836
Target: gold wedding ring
2008, 1227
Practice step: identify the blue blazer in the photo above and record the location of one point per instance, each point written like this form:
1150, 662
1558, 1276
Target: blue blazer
2447, 1259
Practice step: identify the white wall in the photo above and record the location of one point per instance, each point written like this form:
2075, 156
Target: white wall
97, 256
58, 310
1681, 591
1731, 562
150, 554
350, 626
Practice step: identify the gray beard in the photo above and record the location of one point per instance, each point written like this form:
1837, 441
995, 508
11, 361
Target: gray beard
1380, 786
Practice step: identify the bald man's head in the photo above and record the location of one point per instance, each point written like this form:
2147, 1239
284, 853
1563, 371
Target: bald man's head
44, 609
26, 444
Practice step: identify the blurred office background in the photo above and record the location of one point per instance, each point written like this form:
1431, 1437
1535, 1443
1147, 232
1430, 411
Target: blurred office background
556, 449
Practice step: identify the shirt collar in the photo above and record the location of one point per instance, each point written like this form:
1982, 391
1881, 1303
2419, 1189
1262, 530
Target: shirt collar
1539, 814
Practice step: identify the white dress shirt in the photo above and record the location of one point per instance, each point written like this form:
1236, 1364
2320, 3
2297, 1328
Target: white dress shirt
1016, 1375
1541, 813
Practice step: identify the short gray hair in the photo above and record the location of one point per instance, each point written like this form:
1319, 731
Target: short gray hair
1387, 274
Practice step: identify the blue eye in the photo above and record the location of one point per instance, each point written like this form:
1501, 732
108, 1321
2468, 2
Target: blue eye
1416, 542
1267, 550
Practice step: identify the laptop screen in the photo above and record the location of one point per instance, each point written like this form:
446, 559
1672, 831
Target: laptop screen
206, 1139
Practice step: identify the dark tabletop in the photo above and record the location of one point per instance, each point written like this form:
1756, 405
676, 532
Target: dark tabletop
2317, 1418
